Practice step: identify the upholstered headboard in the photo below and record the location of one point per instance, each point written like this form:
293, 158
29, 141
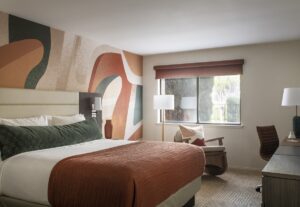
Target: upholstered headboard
16, 103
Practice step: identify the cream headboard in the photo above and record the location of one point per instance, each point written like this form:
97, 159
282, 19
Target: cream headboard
17, 103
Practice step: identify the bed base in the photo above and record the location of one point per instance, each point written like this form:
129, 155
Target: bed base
190, 203
185, 197
12, 202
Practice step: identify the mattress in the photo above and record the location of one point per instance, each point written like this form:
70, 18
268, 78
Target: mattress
25, 176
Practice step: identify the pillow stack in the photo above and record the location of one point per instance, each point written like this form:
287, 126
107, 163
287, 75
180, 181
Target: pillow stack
64, 120
43, 120
18, 139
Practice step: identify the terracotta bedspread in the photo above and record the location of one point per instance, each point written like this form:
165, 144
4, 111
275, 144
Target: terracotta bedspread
139, 174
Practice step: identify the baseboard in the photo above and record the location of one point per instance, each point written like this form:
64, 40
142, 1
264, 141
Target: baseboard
244, 168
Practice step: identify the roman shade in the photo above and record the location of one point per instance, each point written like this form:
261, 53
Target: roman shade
203, 69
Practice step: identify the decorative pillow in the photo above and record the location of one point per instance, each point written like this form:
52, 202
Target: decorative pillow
31, 121
192, 132
15, 140
199, 142
64, 120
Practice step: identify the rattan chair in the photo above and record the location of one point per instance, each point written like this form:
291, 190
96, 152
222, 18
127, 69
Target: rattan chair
269, 142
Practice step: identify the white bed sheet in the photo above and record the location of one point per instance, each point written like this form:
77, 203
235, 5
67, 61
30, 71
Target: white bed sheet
25, 176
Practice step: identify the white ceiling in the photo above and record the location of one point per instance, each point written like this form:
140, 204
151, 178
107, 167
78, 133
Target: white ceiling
159, 26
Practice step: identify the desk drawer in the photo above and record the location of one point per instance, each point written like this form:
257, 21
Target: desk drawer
280, 192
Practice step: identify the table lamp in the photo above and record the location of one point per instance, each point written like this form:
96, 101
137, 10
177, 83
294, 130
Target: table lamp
163, 102
291, 97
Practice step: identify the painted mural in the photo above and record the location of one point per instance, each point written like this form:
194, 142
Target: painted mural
35, 56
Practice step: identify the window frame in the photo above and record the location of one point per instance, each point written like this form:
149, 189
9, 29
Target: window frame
161, 84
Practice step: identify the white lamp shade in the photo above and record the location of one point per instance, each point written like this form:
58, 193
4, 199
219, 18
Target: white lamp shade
291, 97
98, 105
163, 102
188, 102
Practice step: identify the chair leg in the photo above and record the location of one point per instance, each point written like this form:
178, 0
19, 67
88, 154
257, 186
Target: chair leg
258, 188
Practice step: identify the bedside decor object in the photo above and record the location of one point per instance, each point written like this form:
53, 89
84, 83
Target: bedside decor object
291, 97
108, 129
96, 105
163, 102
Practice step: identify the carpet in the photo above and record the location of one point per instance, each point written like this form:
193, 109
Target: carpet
235, 188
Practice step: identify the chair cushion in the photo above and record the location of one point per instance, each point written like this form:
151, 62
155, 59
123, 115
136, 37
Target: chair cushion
213, 148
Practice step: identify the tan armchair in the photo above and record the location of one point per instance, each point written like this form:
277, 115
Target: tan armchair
216, 159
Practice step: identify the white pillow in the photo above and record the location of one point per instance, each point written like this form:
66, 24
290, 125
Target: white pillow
64, 120
196, 132
31, 121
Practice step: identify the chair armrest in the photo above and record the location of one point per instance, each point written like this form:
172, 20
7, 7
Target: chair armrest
220, 139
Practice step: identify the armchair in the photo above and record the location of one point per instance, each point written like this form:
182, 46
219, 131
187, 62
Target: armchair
220, 140
216, 159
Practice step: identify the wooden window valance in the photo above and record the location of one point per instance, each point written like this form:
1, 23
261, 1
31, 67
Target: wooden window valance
216, 68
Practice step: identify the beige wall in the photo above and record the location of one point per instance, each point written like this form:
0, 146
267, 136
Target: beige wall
268, 69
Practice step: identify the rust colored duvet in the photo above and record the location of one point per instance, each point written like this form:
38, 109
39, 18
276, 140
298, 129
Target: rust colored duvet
133, 175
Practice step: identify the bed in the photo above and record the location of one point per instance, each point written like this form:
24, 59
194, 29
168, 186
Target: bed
25, 177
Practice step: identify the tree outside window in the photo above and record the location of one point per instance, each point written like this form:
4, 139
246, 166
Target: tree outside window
213, 99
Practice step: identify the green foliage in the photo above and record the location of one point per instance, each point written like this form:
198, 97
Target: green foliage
219, 98
206, 85
181, 87
224, 86
233, 109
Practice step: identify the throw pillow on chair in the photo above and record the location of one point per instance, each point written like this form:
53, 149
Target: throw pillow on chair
199, 142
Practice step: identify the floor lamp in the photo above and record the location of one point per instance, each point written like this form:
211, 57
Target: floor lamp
163, 102
291, 97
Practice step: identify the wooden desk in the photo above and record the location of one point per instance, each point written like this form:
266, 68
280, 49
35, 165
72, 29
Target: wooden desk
291, 142
281, 177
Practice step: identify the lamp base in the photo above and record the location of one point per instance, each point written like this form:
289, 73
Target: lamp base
296, 126
292, 135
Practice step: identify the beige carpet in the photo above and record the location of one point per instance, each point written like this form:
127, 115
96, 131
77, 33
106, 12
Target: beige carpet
235, 188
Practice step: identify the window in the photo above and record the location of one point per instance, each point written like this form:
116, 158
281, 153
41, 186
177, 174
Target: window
204, 99
206, 92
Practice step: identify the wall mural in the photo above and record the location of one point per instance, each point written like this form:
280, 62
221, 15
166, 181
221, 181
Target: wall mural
35, 56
